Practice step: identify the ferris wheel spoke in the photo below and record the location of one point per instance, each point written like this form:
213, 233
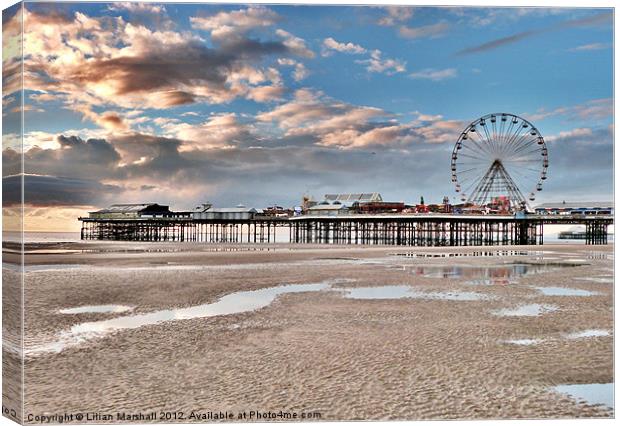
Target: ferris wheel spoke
478, 141
517, 138
477, 145
512, 133
523, 141
499, 158
515, 143
531, 152
474, 157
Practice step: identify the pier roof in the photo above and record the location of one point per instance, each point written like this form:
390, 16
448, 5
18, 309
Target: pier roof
351, 198
577, 205
129, 208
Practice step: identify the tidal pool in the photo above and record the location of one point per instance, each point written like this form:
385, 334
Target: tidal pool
594, 332
403, 291
591, 393
524, 342
495, 274
531, 310
96, 309
233, 303
565, 291
484, 253
603, 279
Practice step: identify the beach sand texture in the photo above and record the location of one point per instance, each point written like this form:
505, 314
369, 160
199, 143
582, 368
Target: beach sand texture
454, 348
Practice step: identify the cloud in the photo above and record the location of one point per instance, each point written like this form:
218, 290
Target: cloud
434, 75
319, 120
266, 93
138, 7
600, 18
42, 190
300, 71
296, 45
219, 131
377, 64
234, 25
425, 31
395, 15
91, 63
145, 13
351, 48
591, 46
592, 110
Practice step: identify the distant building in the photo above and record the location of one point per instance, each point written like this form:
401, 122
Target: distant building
131, 211
240, 212
277, 211
566, 208
324, 208
375, 207
349, 199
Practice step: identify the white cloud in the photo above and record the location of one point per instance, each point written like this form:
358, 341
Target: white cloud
295, 44
425, 31
591, 46
226, 25
395, 15
351, 48
377, 64
300, 71
433, 74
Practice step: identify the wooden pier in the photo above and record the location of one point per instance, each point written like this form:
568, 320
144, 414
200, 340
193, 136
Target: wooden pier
397, 229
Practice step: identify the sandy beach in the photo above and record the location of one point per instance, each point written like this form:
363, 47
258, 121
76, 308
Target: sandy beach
328, 333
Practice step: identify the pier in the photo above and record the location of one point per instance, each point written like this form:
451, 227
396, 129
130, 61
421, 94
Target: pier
361, 229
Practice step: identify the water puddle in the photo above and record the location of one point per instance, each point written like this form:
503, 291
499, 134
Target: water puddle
53, 251
482, 275
595, 332
500, 253
403, 291
96, 309
524, 342
599, 255
592, 393
243, 301
532, 310
565, 291
52, 267
601, 279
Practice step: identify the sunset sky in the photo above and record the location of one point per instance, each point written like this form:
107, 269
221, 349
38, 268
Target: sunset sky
183, 103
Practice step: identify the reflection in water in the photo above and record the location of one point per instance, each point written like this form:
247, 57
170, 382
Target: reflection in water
233, 303
591, 393
484, 253
482, 275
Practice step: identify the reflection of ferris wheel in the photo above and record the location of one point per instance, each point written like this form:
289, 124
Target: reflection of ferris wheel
498, 155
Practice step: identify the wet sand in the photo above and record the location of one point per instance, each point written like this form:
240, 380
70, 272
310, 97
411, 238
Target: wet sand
433, 354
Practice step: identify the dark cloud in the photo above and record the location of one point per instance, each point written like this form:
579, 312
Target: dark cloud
77, 158
600, 18
281, 170
40, 191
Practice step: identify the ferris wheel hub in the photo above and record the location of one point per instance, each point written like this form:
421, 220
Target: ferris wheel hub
497, 158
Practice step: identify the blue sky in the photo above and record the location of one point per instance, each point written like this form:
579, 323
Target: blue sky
261, 104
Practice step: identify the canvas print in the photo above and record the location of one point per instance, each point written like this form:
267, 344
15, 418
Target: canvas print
303, 213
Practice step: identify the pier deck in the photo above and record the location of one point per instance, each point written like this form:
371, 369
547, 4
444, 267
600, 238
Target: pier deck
385, 229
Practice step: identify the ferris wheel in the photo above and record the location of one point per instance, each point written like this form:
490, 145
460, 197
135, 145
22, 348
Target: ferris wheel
499, 155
